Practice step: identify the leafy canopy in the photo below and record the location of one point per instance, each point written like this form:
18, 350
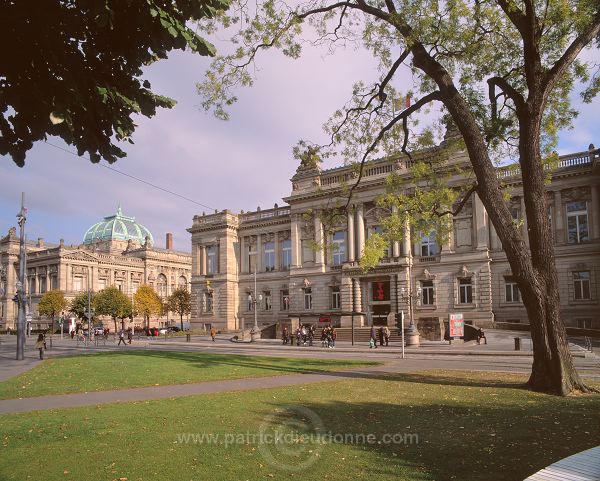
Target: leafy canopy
52, 303
73, 68
113, 303
147, 301
180, 301
79, 304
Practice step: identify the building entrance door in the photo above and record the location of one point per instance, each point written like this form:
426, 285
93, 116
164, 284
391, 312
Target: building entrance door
380, 302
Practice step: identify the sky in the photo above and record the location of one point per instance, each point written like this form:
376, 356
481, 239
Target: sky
239, 164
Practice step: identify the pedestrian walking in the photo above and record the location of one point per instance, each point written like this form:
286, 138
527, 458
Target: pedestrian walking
121, 338
333, 336
373, 338
129, 335
285, 336
213, 333
40, 344
381, 336
386, 335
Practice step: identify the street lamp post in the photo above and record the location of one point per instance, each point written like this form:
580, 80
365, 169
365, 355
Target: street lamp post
255, 300
21, 218
408, 295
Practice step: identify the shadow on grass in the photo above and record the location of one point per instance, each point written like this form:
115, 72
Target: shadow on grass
453, 433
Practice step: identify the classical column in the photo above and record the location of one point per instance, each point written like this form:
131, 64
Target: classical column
360, 230
351, 256
320, 253
395, 244
559, 226
448, 246
494, 240
479, 224
406, 239
357, 295
259, 254
595, 212
243, 255
202, 267
277, 251
295, 236
525, 230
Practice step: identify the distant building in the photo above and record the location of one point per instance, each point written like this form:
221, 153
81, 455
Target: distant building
469, 274
117, 251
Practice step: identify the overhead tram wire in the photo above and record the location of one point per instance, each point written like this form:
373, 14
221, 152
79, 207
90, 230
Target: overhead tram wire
133, 177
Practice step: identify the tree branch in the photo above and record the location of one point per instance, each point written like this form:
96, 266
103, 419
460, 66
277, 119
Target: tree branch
401, 116
508, 90
461, 204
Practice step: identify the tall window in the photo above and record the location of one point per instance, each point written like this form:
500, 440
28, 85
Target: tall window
268, 301
428, 245
161, 285
577, 222
77, 284
251, 258
43, 286
32, 285
269, 256
208, 302
285, 300
307, 298
339, 248
101, 284
286, 254
212, 266
182, 282
581, 285
54, 283
511, 290
465, 290
427, 293
335, 297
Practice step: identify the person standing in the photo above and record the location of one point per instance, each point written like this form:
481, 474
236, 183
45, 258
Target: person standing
381, 335
386, 335
213, 333
333, 336
40, 344
373, 338
129, 335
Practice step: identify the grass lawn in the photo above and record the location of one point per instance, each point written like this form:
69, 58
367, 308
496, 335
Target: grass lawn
136, 368
470, 427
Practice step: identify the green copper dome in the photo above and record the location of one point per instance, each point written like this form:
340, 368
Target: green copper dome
118, 227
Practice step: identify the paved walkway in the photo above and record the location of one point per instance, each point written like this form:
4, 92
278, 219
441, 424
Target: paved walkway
583, 466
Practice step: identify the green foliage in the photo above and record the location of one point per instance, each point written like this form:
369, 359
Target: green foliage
147, 302
73, 69
52, 303
113, 303
180, 301
79, 304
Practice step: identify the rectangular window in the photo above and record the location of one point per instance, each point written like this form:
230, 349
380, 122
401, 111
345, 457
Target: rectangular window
581, 285
577, 222
32, 285
54, 283
77, 284
584, 323
286, 254
512, 293
335, 298
465, 290
268, 303
428, 245
307, 298
427, 293
339, 248
285, 300
269, 256
212, 266
43, 286
101, 284
251, 259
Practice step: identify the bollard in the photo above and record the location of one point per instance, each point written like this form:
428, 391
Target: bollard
517, 343
188, 338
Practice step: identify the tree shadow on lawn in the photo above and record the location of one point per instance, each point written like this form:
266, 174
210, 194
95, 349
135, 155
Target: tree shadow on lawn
469, 437
263, 363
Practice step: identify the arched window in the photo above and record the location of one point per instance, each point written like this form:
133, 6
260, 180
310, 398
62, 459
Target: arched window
161, 285
182, 282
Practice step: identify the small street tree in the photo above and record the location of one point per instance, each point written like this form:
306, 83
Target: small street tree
147, 302
51, 304
501, 71
79, 305
113, 303
180, 301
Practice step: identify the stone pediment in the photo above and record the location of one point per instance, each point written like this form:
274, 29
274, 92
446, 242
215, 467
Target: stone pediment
80, 256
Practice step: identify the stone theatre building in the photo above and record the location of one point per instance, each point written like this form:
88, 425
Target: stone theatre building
298, 284
117, 251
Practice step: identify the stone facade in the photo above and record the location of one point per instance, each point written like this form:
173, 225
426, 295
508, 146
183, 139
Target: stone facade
468, 275
122, 262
